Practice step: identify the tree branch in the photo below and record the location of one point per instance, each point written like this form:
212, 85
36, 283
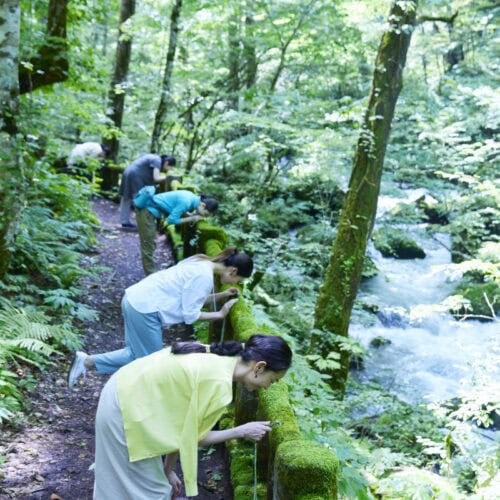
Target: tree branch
442, 19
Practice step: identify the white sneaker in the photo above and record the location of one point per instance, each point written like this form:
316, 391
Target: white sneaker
77, 368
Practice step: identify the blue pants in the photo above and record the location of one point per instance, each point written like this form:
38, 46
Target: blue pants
143, 336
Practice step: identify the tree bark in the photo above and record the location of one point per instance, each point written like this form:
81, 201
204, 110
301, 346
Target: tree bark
343, 275
11, 174
161, 112
249, 53
117, 92
233, 80
50, 64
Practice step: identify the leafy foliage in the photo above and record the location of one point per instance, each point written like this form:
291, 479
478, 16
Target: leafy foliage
26, 337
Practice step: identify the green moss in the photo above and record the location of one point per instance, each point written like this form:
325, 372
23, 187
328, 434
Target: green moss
274, 405
246, 492
305, 470
396, 243
474, 292
211, 240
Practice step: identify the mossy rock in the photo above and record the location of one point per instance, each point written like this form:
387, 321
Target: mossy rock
396, 243
305, 470
379, 341
246, 492
474, 292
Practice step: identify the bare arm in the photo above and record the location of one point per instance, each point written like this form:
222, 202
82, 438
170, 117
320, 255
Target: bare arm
221, 295
221, 314
251, 430
158, 176
172, 477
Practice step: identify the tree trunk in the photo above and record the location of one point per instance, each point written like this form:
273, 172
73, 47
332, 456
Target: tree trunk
11, 175
233, 79
343, 275
249, 54
117, 92
50, 64
161, 113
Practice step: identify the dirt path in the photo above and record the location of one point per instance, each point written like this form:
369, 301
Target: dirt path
50, 456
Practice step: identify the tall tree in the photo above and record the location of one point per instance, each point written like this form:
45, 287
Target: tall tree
233, 60
161, 112
343, 275
11, 175
50, 64
117, 92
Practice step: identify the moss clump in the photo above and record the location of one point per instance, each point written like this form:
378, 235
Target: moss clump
395, 243
246, 492
474, 292
274, 405
211, 240
305, 470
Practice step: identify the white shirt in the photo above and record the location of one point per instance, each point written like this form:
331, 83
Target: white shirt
177, 294
87, 149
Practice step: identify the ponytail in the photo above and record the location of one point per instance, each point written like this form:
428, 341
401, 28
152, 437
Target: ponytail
269, 348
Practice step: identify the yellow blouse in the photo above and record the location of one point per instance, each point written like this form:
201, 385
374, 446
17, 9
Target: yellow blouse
170, 402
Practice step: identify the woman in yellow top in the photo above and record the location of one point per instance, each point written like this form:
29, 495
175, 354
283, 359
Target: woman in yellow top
166, 404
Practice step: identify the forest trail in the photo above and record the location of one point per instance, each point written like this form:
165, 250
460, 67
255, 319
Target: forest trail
50, 455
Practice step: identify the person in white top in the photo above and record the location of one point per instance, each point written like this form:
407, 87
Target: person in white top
174, 295
82, 153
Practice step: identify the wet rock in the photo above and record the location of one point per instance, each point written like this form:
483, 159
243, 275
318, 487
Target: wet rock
379, 341
396, 243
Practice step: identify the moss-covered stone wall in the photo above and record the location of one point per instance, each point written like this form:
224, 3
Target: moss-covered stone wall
288, 466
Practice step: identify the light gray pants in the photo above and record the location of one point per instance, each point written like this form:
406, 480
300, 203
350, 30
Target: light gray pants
143, 336
115, 477
125, 210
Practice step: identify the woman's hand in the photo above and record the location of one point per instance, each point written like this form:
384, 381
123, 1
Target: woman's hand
254, 430
231, 291
175, 482
227, 307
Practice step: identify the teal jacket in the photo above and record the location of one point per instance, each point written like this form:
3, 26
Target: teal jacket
173, 203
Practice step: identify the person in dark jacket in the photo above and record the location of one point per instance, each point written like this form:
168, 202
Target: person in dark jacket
147, 170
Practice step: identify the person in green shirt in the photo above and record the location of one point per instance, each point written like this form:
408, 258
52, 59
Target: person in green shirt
167, 403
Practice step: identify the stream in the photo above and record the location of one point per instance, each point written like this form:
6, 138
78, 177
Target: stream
431, 356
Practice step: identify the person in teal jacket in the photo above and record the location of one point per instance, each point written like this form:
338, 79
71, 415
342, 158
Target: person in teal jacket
167, 403
173, 205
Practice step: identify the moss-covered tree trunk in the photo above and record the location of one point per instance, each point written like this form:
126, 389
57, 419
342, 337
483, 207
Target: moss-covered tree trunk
11, 176
117, 92
50, 64
343, 275
161, 112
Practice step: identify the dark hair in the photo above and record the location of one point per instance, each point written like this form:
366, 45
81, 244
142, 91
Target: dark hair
211, 204
105, 150
171, 160
269, 348
230, 257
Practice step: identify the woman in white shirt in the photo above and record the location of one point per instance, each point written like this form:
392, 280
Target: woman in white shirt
174, 295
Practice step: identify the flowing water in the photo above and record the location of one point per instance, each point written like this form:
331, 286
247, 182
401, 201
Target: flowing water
431, 356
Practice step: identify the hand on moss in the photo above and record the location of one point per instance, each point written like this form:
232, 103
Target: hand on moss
254, 430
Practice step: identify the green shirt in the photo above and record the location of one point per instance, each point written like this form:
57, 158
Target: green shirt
170, 402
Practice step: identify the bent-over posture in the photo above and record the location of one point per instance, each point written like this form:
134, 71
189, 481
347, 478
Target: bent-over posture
167, 404
173, 204
145, 171
175, 295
